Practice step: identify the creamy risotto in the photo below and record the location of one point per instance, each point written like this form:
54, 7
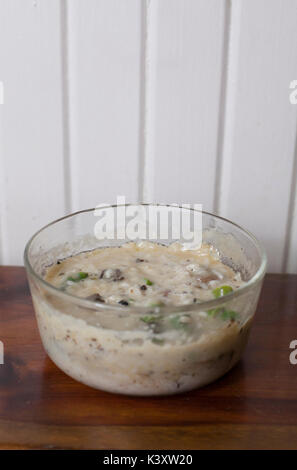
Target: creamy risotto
145, 274
139, 347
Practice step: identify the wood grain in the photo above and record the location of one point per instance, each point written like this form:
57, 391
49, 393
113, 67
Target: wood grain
252, 407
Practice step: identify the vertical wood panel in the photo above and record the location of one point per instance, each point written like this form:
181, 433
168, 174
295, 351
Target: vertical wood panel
260, 130
129, 98
185, 71
104, 79
290, 264
31, 171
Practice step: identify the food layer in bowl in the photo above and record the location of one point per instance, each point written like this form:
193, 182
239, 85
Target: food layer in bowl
131, 342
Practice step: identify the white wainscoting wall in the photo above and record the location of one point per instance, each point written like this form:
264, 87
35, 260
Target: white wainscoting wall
182, 101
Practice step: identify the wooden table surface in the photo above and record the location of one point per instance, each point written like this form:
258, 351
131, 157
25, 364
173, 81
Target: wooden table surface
253, 406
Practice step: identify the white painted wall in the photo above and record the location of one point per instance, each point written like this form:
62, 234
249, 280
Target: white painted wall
160, 100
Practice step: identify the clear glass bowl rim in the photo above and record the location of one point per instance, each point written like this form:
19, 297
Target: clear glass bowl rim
206, 305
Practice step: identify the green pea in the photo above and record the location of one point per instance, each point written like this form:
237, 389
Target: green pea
214, 311
158, 341
229, 315
156, 305
221, 291
180, 322
150, 319
223, 313
77, 277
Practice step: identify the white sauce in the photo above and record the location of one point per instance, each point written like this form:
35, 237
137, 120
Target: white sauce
146, 353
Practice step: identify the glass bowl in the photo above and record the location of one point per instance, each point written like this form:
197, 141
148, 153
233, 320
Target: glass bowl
108, 348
